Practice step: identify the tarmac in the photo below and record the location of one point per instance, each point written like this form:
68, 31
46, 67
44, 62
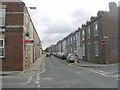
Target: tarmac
36, 66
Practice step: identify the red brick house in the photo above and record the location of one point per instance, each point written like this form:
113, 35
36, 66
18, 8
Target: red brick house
16, 22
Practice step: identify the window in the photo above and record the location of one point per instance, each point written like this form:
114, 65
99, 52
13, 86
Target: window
71, 40
96, 48
88, 50
88, 31
83, 50
2, 17
2, 29
95, 29
83, 35
2, 48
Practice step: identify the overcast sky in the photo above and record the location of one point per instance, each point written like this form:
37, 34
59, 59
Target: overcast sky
55, 19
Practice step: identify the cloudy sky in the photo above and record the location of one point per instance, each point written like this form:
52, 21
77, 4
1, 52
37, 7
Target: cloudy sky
55, 19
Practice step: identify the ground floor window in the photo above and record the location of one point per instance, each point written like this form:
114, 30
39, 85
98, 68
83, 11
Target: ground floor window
2, 51
83, 50
96, 48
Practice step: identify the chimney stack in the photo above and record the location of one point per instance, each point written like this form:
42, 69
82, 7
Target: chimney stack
101, 13
112, 6
92, 18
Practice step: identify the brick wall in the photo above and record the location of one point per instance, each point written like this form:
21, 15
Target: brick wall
14, 46
110, 29
14, 38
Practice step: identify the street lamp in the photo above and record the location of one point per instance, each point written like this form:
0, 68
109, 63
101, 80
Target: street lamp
32, 7
23, 4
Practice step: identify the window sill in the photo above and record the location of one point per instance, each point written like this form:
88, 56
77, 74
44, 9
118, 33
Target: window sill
96, 35
2, 57
96, 56
88, 38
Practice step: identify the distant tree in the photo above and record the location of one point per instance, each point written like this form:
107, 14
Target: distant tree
47, 50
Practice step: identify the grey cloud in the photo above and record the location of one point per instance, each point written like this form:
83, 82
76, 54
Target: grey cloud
49, 39
80, 17
80, 13
58, 28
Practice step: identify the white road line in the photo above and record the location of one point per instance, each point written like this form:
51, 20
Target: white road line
29, 79
38, 86
38, 80
43, 68
103, 73
48, 78
21, 83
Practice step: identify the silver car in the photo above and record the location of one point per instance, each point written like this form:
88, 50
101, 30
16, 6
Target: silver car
72, 58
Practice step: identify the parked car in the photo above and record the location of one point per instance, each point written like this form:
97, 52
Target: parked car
48, 55
62, 56
71, 58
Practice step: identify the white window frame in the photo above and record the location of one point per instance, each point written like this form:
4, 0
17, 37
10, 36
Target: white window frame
83, 35
3, 47
96, 48
2, 17
89, 31
83, 50
95, 29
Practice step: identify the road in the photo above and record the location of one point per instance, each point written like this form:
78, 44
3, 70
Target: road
58, 73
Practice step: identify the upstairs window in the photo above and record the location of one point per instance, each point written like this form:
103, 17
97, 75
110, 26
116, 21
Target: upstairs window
83, 35
88, 30
95, 29
2, 17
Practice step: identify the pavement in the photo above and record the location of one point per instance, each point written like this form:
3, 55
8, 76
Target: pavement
89, 64
36, 66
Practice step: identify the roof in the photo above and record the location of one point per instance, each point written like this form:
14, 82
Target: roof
11, 1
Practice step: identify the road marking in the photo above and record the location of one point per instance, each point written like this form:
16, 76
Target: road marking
77, 72
103, 73
48, 78
38, 86
38, 80
21, 83
29, 79
43, 71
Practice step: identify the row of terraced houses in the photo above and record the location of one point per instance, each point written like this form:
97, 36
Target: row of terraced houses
20, 44
96, 40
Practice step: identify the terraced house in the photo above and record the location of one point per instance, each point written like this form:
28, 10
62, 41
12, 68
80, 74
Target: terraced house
97, 39
102, 36
20, 43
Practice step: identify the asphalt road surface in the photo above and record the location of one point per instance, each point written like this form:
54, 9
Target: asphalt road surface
58, 73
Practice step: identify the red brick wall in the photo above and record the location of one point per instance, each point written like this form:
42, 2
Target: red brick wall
13, 6
14, 49
14, 19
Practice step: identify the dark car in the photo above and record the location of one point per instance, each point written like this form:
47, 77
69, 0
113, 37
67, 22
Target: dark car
48, 55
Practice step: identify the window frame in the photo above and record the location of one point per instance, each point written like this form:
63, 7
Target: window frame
88, 32
2, 17
83, 49
95, 29
96, 48
3, 47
